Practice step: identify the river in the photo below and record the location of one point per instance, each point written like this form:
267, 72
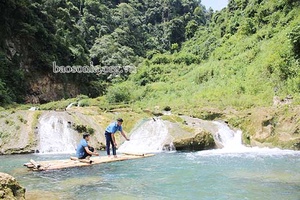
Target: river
232, 172
262, 174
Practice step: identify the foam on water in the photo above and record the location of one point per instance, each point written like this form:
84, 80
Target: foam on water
231, 142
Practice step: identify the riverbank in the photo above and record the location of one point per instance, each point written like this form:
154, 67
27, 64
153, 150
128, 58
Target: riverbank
276, 126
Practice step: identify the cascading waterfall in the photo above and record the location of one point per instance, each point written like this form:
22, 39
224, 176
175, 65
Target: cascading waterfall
55, 134
226, 137
230, 142
150, 136
70, 105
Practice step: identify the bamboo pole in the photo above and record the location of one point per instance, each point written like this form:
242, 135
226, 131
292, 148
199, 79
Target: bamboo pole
35, 164
135, 154
29, 165
82, 160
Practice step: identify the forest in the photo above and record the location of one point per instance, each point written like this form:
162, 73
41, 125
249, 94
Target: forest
184, 54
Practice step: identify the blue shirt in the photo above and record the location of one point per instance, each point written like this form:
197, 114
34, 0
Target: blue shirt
113, 128
80, 148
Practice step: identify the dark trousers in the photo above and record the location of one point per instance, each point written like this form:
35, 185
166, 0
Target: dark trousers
108, 142
86, 154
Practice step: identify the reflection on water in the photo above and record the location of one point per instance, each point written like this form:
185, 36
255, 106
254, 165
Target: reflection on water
198, 175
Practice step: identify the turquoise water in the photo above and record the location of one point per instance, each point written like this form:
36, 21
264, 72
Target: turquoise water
198, 175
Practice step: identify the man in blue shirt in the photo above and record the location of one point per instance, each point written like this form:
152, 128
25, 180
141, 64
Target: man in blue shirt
83, 149
110, 136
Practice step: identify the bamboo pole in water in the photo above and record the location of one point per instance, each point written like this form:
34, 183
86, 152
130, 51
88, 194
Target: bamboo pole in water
82, 160
135, 154
35, 164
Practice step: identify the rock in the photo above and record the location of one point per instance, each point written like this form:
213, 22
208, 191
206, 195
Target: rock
10, 189
269, 126
201, 141
189, 136
157, 114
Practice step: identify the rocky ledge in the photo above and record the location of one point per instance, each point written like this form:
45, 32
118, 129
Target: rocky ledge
10, 189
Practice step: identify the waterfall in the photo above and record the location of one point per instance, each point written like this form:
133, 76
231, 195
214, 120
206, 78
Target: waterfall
149, 136
227, 138
70, 105
230, 143
55, 134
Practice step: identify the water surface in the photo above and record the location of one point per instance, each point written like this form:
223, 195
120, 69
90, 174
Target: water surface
198, 175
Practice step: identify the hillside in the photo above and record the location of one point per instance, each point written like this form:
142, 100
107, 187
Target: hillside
247, 56
34, 34
186, 57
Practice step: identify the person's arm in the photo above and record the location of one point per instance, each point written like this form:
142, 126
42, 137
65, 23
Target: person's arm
122, 132
113, 139
89, 152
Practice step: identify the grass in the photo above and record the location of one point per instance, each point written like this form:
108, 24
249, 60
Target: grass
173, 118
35, 120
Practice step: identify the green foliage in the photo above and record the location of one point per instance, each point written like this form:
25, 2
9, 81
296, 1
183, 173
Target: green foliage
173, 118
109, 33
241, 56
294, 37
84, 103
120, 93
56, 105
186, 58
241, 59
4, 96
84, 129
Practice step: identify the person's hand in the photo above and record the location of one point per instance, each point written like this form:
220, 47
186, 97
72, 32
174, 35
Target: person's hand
96, 154
115, 144
127, 139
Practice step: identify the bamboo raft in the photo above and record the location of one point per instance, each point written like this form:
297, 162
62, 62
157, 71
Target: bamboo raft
75, 162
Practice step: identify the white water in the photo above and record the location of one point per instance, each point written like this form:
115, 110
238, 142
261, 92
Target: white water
231, 143
150, 136
56, 134
227, 138
70, 105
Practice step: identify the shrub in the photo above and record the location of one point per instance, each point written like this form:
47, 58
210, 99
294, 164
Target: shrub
167, 108
84, 103
294, 37
204, 75
186, 58
84, 129
90, 130
161, 59
119, 93
81, 96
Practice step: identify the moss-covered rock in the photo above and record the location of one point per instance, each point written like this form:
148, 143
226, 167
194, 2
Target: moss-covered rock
10, 189
188, 133
201, 141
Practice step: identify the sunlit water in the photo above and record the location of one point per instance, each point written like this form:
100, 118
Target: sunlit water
269, 174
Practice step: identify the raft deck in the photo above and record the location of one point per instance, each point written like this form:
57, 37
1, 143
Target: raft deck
74, 162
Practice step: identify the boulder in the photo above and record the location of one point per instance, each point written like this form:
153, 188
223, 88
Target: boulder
189, 135
201, 141
10, 189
